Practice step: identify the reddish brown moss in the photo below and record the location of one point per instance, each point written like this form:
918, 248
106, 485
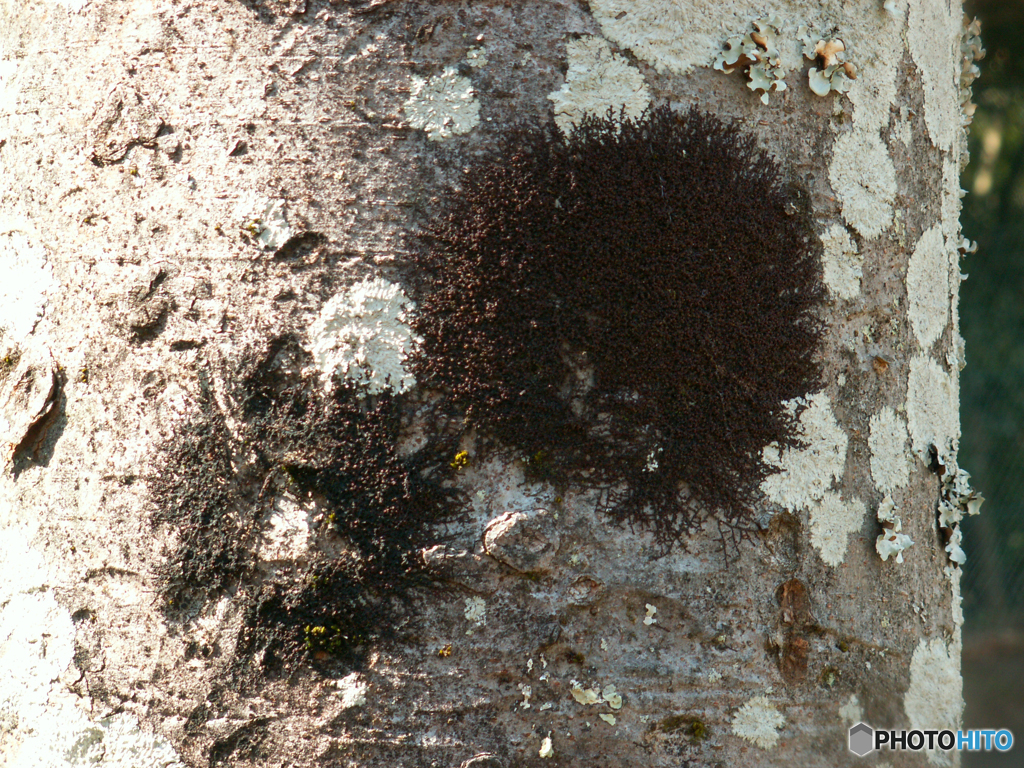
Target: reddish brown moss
639, 293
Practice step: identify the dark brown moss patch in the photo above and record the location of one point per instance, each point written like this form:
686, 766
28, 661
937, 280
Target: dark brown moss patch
627, 309
381, 508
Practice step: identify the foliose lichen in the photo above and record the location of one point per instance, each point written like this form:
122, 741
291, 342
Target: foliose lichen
956, 498
891, 541
834, 72
971, 52
757, 54
636, 289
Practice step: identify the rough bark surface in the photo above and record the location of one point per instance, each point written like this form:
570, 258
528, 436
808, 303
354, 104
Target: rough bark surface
182, 181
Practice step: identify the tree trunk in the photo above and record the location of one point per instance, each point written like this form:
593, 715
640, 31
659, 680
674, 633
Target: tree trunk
185, 184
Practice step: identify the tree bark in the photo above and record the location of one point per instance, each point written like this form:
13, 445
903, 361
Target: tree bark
183, 181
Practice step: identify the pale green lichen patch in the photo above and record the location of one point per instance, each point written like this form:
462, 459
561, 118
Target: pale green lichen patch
758, 721
807, 473
442, 106
928, 287
891, 541
863, 176
887, 440
934, 36
933, 415
832, 520
363, 334
476, 57
669, 35
598, 80
934, 699
842, 263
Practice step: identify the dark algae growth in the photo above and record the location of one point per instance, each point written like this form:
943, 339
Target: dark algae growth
627, 309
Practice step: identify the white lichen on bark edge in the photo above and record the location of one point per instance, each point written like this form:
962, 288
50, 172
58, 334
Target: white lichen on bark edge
934, 35
364, 335
807, 473
928, 287
934, 699
758, 721
25, 280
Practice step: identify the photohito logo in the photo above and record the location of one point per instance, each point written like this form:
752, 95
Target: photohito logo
865, 739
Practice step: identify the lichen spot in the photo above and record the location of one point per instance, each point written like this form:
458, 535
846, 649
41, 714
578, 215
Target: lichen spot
932, 410
832, 520
263, 219
442, 106
934, 699
363, 335
928, 287
758, 721
546, 747
887, 440
851, 712
598, 79
351, 690
863, 176
807, 473
842, 262
476, 611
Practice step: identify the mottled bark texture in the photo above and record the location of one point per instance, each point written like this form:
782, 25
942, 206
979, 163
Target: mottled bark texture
237, 532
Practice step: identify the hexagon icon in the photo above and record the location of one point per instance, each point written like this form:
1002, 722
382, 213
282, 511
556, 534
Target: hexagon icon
862, 738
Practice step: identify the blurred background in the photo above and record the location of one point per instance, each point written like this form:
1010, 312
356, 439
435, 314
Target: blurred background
992, 386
